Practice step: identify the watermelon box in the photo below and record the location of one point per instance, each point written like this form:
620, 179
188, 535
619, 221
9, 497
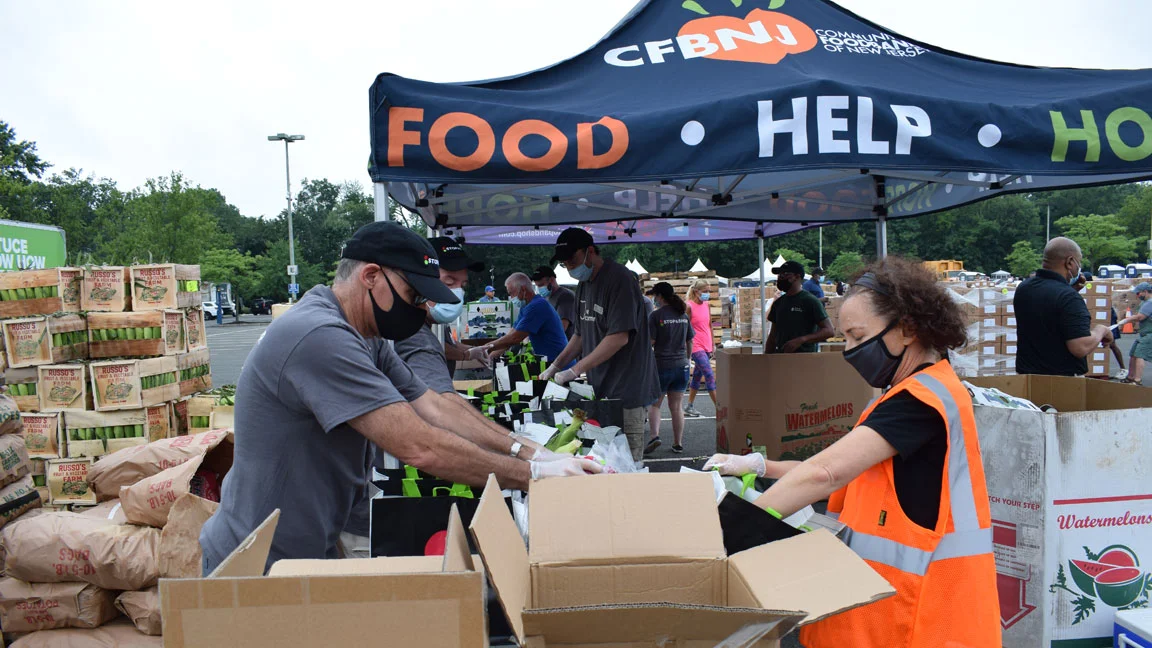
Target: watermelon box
1071, 507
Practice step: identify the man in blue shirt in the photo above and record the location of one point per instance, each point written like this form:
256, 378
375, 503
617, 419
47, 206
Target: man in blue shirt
812, 285
537, 322
489, 294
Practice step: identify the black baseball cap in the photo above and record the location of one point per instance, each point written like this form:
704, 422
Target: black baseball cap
543, 272
570, 241
452, 255
789, 266
387, 244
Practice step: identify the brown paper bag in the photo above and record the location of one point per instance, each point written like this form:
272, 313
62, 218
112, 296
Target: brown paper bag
110, 510
180, 554
143, 608
130, 465
119, 634
68, 547
149, 500
27, 607
10, 422
14, 462
18, 498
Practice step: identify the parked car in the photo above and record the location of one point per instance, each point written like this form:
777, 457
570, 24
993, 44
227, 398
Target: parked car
210, 309
262, 306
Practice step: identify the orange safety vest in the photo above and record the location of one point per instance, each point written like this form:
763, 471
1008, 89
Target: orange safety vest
945, 578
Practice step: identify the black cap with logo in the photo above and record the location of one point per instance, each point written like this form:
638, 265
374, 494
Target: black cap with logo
392, 246
789, 266
452, 255
571, 241
543, 272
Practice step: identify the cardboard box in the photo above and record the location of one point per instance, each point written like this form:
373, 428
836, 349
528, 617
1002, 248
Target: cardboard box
1099, 362
166, 286
1065, 487
816, 398
638, 560
353, 603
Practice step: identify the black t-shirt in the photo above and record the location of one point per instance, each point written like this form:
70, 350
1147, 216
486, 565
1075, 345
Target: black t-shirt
1049, 312
794, 316
920, 437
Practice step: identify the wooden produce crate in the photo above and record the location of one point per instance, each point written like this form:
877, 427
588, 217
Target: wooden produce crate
180, 422
40, 292
43, 435
95, 434
194, 335
22, 388
132, 384
106, 289
165, 286
63, 388
160, 424
195, 373
69, 337
127, 335
198, 412
32, 341
223, 416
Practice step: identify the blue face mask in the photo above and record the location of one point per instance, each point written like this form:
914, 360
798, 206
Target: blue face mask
543, 291
448, 313
583, 272
516, 301
705, 296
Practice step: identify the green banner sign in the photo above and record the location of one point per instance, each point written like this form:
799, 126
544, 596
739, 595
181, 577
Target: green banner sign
26, 246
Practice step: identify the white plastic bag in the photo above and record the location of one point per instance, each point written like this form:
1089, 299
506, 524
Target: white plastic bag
616, 456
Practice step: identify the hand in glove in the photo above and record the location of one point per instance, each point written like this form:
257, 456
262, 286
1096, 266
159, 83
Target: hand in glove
480, 354
544, 454
548, 373
567, 467
738, 465
565, 377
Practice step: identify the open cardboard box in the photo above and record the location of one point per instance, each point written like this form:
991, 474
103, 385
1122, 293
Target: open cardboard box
410, 601
638, 561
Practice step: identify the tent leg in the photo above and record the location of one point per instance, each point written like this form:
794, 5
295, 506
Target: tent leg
763, 337
882, 237
381, 200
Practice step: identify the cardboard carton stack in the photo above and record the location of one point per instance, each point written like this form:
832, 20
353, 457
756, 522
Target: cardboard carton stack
991, 318
746, 324
1098, 298
96, 358
71, 577
488, 320
681, 281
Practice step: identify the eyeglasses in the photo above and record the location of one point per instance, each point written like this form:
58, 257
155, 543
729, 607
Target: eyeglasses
417, 298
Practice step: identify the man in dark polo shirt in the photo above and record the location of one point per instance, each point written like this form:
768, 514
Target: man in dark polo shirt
799, 321
1056, 336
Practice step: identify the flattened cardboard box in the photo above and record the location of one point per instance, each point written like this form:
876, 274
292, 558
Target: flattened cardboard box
634, 560
351, 603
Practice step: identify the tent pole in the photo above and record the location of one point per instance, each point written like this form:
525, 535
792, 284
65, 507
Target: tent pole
821, 261
882, 237
380, 199
763, 337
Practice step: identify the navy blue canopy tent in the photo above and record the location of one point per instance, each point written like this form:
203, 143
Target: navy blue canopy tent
722, 119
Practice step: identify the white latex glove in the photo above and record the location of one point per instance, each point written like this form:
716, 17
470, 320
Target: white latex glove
548, 373
566, 467
544, 454
565, 377
738, 465
480, 354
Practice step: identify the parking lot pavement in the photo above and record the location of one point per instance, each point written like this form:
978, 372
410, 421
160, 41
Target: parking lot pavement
230, 344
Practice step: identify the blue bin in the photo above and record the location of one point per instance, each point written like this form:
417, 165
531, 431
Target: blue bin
1133, 629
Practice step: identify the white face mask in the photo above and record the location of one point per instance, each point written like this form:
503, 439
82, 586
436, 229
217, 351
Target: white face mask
448, 313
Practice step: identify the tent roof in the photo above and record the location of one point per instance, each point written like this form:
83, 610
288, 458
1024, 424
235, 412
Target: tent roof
677, 121
634, 266
563, 277
698, 266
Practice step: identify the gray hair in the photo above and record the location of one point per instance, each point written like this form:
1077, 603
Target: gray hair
347, 268
519, 281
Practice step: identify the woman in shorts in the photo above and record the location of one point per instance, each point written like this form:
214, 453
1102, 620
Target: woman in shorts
671, 333
700, 314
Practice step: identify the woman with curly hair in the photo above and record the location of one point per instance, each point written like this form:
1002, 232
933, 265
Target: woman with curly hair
885, 480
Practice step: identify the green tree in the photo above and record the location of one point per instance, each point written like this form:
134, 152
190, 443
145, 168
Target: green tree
1135, 214
19, 161
1023, 259
845, 266
166, 221
229, 265
793, 255
272, 279
1102, 238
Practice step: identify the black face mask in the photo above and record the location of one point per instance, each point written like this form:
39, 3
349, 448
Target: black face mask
873, 361
783, 284
400, 323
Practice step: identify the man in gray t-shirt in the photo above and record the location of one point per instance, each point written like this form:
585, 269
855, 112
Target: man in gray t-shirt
611, 333
562, 299
321, 389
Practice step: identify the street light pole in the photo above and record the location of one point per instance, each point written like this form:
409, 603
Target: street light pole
287, 139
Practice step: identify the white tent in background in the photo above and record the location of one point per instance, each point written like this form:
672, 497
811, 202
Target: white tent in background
634, 266
1001, 274
562, 276
768, 276
698, 266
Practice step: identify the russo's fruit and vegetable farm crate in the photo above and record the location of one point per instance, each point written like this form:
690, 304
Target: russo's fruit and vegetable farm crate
166, 286
22, 388
106, 289
40, 292
195, 373
32, 341
43, 435
193, 415
95, 434
194, 335
126, 335
63, 387
132, 384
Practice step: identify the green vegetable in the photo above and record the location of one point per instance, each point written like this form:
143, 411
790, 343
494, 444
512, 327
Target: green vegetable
568, 434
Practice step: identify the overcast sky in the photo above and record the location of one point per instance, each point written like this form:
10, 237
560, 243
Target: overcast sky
133, 89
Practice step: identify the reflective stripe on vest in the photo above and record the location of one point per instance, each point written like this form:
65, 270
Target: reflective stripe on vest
968, 539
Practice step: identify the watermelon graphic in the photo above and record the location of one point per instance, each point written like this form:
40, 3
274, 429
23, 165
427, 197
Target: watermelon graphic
1120, 586
1084, 574
1120, 556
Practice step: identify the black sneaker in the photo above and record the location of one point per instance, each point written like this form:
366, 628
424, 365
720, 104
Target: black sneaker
677, 448
653, 443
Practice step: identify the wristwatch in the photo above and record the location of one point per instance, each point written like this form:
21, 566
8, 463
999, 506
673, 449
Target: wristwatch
515, 449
